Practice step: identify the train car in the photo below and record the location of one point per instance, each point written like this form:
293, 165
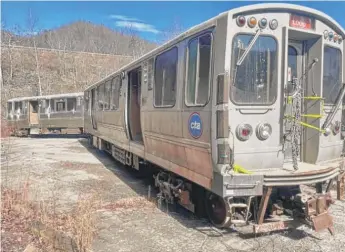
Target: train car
38, 114
237, 115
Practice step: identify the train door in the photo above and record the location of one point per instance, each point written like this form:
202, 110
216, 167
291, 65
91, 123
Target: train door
33, 113
134, 105
295, 70
93, 108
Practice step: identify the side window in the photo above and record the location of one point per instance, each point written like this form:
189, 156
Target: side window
24, 106
100, 96
115, 93
71, 104
9, 109
52, 105
199, 70
18, 107
331, 74
107, 95
165, 78
94, 98
44, 106
60, 106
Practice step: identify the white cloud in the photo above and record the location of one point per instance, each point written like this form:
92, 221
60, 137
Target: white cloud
133, 23
124, 18
142, 27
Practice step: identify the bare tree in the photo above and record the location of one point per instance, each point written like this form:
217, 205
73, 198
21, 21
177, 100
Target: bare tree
32, 22
171, 32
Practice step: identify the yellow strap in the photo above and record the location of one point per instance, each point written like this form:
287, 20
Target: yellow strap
308, 98
313, 98
239, 169
312, 115
307, 125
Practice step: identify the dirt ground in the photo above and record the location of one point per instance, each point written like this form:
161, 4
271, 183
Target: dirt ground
126, 221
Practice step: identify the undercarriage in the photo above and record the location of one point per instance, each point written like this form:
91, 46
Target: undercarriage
279, 207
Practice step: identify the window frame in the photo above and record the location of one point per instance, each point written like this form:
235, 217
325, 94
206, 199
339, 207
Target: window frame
341, 69
154, 77
277, 67
197, 36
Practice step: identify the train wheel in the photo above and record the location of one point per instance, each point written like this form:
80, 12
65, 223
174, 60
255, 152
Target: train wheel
217, 210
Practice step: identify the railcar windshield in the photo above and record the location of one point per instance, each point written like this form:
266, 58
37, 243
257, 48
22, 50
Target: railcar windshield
331, 74
254, 81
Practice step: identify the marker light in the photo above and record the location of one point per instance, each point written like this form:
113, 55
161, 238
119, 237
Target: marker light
252, 22
244, 131
263, 23
325, 34
336, 37
340, 39
263, 131
241, 20
330, 35
274, 24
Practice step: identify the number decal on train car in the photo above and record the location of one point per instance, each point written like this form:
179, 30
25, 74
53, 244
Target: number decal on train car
195, 125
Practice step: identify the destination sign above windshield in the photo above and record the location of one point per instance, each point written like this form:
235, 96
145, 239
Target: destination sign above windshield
301, 22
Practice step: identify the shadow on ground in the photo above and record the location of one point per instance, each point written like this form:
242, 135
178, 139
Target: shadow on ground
62, 136
130, 177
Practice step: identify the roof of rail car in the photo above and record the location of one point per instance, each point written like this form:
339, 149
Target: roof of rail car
34, 98
240, 10
266, 7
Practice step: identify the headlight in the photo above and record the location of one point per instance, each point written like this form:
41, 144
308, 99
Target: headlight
263, 131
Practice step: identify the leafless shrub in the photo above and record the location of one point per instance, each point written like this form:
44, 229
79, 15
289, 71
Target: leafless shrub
81, 221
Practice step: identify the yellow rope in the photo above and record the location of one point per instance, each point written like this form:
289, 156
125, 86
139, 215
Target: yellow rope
239, 169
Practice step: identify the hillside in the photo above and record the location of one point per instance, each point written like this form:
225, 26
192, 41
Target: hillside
64, 60
84, 37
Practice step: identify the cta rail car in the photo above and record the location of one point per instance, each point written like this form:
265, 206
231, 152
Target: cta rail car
33, 115
235, 114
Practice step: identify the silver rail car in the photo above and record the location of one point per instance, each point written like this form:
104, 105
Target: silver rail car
37, 114
236, 113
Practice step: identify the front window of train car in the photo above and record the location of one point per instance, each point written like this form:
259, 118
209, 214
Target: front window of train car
254, 80
331, 74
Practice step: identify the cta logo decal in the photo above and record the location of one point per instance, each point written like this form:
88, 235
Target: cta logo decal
195, 125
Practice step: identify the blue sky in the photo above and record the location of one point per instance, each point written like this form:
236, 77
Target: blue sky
150, 18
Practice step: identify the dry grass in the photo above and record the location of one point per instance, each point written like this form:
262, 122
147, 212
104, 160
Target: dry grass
27, 219
20, 217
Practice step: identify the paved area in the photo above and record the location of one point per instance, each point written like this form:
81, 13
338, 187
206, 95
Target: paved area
67, 168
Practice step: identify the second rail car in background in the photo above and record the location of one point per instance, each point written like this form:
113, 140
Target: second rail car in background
39, 114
